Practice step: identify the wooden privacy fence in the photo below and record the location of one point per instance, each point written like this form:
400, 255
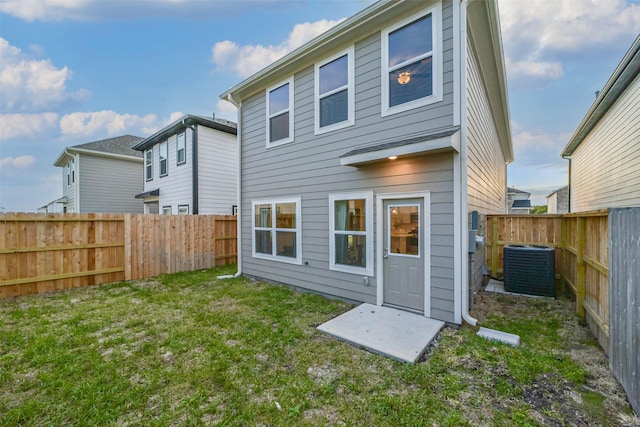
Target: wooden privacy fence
581, 243
46, 252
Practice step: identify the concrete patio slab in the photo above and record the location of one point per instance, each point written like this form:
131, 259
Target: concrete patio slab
398, 334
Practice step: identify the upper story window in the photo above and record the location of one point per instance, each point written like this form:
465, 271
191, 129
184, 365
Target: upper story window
181, 148
280, 113
148, 165
166, 210
334, 92
164, 153
411, 63
183, 209
277, 230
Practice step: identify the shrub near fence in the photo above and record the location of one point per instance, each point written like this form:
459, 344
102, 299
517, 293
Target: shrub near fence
47, 252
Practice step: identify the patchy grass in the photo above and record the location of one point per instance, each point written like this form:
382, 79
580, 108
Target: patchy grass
188, 349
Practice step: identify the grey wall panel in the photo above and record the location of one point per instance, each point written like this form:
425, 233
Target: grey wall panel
624, 300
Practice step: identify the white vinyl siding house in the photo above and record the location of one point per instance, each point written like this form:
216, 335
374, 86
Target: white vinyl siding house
184, 183
101, 177
385, 190
604, 152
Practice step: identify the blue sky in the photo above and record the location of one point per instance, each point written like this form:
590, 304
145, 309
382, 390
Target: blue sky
75, 71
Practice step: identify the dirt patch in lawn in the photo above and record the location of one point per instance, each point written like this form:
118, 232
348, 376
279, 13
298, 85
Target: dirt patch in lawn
554, 400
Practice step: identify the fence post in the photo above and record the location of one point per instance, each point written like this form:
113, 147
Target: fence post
494, 246
127, 246
581, 228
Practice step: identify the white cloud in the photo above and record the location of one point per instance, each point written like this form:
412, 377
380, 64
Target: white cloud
539, 148
227, 110
21, 162
29, 83
247, 60
110, 123
538, 34
26, 125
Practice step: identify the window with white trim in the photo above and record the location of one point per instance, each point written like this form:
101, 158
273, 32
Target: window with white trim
280, 113
411, 62
70, 171
334, 92
351, 232
277, 230
164, 153
148, 165
166, 210
183, 209
181, 148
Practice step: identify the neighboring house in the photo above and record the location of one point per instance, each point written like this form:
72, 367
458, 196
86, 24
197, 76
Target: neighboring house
191, 167
518, 201
558, 201
364, 152
100, 177
604, 151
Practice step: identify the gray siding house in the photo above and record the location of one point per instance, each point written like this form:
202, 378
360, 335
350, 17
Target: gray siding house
190, 167
604, 151
367, 155
100, 177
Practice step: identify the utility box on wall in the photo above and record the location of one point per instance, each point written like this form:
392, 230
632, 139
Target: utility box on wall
530, 270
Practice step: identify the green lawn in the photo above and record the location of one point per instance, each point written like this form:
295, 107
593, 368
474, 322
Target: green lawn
188, 349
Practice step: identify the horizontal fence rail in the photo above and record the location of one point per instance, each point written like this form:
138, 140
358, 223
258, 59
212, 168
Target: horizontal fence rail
581, 243
47, 252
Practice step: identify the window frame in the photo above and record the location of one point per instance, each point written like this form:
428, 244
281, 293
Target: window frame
368, 233
350, 86
164, 208
184, 148
289, 110
436, 62
148, 164
181, 209
165, 145
298, 230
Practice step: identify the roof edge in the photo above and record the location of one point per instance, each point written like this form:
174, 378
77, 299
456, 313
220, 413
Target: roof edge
182, 123
624, 74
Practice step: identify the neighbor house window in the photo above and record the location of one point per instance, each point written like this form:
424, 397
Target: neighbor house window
164, 153
334, 93
181, 148
148, 165
166, 210
280, 113
183, 210
277, 230
71, 172
351, 232
411, 63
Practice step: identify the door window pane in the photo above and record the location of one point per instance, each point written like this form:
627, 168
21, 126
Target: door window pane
404, 230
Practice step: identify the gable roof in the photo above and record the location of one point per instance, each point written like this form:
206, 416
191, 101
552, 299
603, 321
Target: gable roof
483, 19
119, 146
181, 124
622, 76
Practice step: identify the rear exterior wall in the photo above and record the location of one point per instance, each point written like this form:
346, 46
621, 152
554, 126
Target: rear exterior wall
309, 167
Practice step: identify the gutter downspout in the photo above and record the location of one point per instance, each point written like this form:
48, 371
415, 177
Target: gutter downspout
464, 209
194, 166
238, 189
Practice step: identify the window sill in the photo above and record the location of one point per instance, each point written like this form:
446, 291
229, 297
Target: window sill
286, 260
